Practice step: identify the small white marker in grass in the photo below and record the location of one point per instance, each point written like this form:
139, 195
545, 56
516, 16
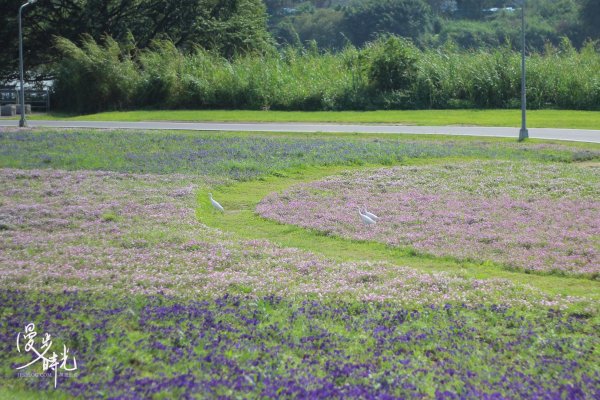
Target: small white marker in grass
215, 204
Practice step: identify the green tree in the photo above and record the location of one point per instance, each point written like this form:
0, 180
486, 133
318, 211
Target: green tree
590, 18
285, 34
228, 27
94, 77
470, 9
393, 64
324, 26
364, 21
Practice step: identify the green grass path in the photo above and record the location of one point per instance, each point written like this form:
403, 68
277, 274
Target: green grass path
510, 118
240, 200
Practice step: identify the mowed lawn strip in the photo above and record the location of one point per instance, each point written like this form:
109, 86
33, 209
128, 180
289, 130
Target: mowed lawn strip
508, 118
240, 201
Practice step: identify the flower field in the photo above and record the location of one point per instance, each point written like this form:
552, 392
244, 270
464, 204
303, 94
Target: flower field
106, 231
105, 245
542, 218
268, 347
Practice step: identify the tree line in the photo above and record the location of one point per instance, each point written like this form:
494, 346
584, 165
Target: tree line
239, 27
431, 23
388, 73
311, 55
228, 27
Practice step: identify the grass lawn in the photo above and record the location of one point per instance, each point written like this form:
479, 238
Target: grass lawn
243, 156
241, 200
509, 118
108, 242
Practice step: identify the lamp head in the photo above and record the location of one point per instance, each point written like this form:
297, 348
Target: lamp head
31, 1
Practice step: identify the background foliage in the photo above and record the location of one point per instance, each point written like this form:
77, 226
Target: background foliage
228, 27
304, 55
389, 73
470, 23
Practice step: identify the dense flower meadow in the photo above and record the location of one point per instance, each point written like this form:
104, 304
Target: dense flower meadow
101, 247
536, 217
268, 347
106, 231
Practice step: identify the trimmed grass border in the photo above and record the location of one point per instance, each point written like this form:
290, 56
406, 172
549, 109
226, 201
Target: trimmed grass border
502, 118
240, 200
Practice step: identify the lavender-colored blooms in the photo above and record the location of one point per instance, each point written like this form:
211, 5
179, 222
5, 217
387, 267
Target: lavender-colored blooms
106, 231
121, 236
117, 267
538, 217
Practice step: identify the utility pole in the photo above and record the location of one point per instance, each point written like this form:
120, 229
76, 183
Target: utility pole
22, 121
523, 133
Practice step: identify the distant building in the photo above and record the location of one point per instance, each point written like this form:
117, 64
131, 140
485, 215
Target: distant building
496, 9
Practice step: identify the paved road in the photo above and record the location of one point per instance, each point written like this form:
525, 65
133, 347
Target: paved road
579, 135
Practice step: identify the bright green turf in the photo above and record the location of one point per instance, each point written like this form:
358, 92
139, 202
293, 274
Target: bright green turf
241, 199
20, 393
535, 118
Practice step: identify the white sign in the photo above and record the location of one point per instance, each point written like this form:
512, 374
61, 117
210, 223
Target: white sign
52, 362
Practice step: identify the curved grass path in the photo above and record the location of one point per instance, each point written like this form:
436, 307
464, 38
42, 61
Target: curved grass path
240, 200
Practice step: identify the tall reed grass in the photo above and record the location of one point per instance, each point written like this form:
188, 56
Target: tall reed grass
95, 77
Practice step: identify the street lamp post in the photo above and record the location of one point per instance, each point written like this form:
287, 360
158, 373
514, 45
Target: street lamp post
22, 121
523, 133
